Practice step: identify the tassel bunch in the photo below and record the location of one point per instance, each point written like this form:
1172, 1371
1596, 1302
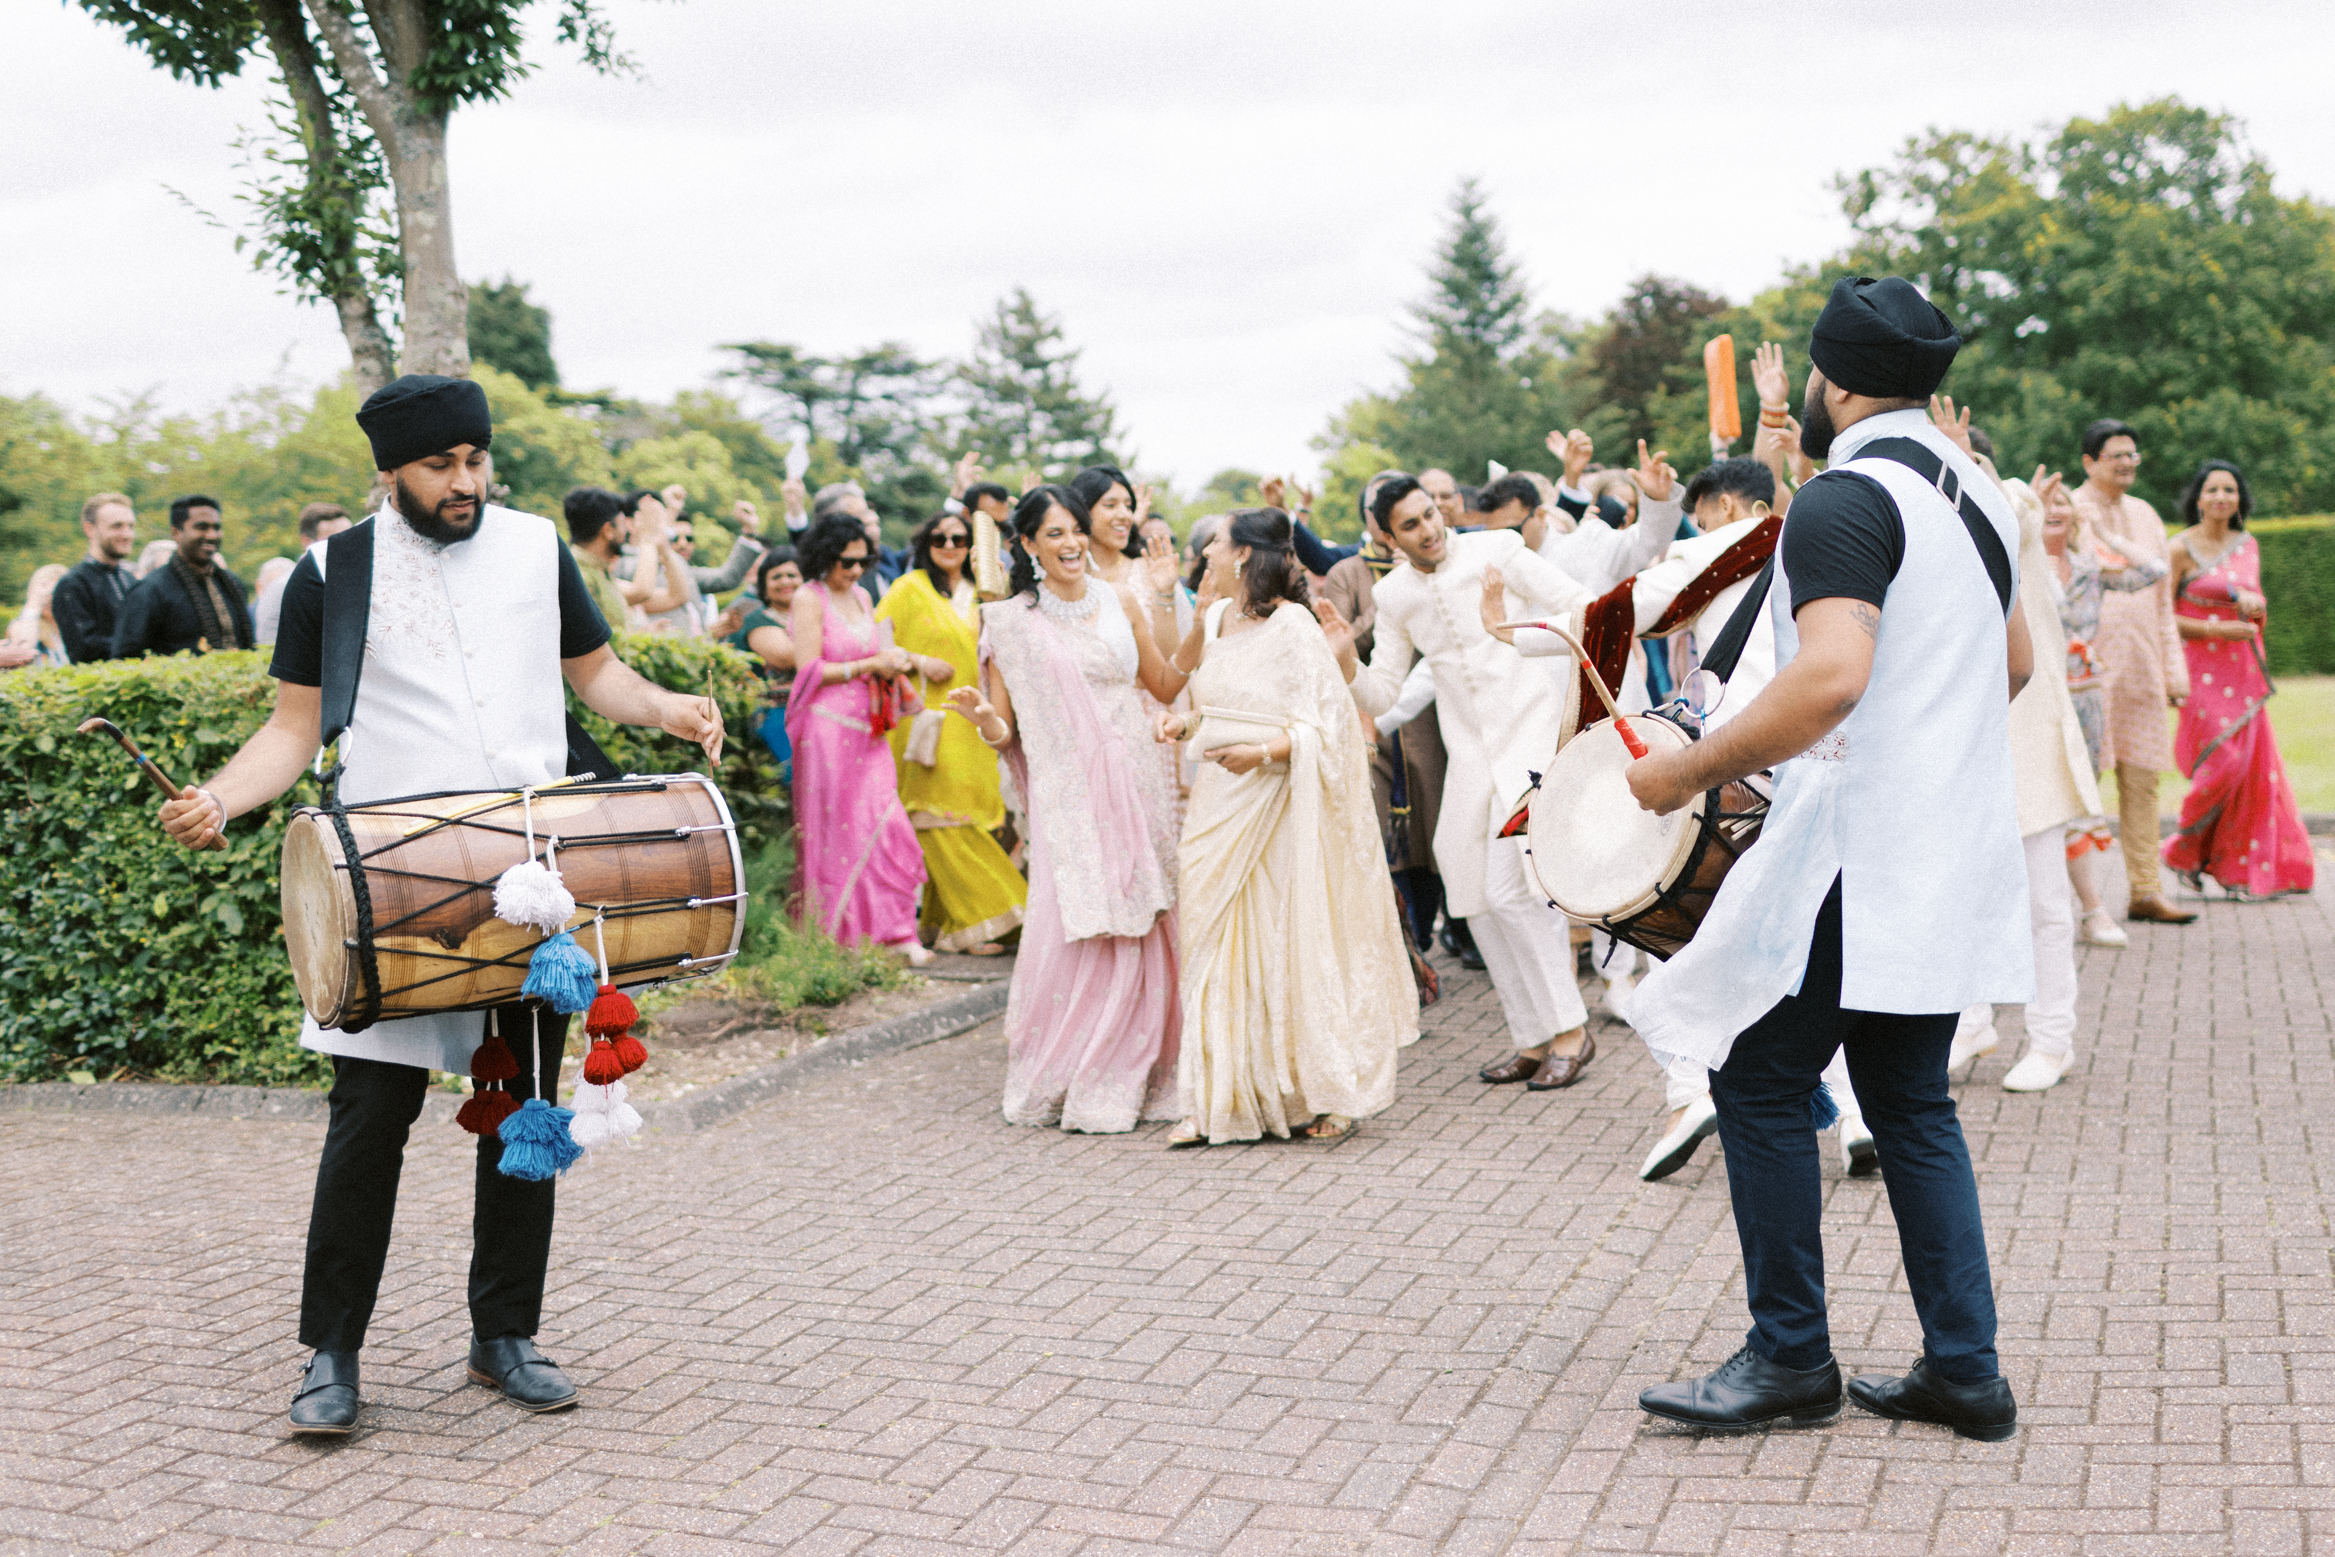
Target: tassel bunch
537, 1143
560, 975
489, 1105
603, 1117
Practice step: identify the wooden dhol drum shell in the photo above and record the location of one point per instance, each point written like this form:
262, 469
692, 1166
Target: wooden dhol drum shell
657, 854
1647, 881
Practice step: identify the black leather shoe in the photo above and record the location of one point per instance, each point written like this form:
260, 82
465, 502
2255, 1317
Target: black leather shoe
1461, 943
1517, 1067
325, 1405
527, 1378
1984, 1411
1749, 1391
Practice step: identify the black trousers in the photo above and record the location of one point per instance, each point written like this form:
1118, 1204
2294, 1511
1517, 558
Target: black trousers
1898, 1066
374, 1105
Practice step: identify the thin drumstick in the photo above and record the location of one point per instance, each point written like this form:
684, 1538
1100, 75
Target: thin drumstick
147, 765
1621, 724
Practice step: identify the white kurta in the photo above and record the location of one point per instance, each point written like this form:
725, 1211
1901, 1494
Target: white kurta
1908, 802
1500, 717
461, 691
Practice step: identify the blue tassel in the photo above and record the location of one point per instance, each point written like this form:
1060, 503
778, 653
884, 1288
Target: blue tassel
562, 974
536, 1142
1823, 1113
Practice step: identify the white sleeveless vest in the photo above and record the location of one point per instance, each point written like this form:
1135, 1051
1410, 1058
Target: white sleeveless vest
1909, 802
461, 690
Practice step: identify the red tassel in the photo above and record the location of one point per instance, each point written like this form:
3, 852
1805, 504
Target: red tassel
485, 1112
631, 1053
493, 1062
601, 1065
612, 1012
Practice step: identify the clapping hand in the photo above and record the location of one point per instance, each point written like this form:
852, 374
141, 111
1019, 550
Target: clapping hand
1492, 606
676, 499
1767, 376
1337, 630
1159, 563
1654, 475
2046, 482
1142, 506
1575, 449
1956, 428
1271, 490
1304, 497
968, 470
1207, 595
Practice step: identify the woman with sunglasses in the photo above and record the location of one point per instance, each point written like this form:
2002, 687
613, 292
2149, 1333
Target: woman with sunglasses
976, 896
856, 855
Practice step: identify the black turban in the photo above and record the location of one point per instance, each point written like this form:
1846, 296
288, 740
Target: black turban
1884, 339
423, 414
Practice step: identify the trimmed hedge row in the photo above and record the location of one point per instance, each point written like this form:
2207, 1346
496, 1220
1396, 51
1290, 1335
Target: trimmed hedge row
121, 952
2298, 578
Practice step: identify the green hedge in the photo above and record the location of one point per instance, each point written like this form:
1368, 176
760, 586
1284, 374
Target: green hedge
2298, 578
121, 953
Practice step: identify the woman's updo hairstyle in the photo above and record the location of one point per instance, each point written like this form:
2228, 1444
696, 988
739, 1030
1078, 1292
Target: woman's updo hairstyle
1271, 574
1029, 515
1094, 483
823, 546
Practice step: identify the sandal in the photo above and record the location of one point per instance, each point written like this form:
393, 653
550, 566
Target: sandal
1186, 1134
1329, 1127
985, 949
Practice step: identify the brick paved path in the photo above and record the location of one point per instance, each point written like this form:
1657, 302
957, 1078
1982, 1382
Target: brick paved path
870, 1317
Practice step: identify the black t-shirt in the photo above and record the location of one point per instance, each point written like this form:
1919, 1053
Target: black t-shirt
300, 631
1843, 540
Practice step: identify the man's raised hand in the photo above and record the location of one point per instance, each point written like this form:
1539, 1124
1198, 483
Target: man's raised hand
1575, 449
1767, 375
1655, 477
1956, 428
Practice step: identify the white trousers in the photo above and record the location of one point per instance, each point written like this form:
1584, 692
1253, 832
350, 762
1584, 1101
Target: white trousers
2051, 1015
1526, 950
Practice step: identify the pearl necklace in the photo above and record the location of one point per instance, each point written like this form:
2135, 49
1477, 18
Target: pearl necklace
1069, 611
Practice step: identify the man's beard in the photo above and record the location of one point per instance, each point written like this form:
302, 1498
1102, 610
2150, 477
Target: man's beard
431, 524
1816, 429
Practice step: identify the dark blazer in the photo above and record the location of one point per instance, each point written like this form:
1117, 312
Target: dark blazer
87, 604
159, 618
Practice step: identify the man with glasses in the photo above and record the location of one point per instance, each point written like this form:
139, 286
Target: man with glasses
2140, 657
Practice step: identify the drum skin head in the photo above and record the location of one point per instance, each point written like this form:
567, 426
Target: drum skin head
319, 916
1595, 851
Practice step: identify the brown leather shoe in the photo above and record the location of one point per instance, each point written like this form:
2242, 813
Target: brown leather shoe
1514, 1068
2155, 910
1562, 1070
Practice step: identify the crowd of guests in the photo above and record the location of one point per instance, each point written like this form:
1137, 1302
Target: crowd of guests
1158, 770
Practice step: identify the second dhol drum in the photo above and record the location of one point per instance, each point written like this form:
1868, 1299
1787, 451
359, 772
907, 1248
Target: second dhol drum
1646, 880
412, 929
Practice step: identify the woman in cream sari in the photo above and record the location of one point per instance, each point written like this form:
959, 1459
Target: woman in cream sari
1296, 983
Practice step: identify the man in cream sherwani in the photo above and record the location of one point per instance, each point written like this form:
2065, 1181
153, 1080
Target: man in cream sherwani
1500, 720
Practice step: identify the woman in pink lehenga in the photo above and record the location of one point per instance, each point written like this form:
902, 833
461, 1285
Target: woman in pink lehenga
1092, 1018
2239, 821
856, 852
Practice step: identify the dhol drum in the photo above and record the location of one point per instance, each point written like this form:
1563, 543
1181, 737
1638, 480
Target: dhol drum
411, 930
1646, 880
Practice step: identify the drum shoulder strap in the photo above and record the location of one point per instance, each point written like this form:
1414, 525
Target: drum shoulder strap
348, 606
1925, 462
1727, 649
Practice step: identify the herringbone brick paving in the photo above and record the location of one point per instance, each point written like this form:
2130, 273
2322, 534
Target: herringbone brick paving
870, 1317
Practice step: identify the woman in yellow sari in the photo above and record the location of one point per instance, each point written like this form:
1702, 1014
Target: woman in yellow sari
973, 896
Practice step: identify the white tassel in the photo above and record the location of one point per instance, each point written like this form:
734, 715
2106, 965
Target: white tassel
530, 894
603, 1117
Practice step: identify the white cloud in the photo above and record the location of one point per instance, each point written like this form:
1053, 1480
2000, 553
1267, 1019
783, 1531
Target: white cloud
1228, 203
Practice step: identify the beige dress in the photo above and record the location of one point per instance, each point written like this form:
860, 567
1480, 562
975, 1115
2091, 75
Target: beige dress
1296, 986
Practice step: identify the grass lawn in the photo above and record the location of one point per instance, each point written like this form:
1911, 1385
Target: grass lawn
2302, 714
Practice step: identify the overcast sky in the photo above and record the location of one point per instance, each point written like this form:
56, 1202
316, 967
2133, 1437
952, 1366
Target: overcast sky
1228, 203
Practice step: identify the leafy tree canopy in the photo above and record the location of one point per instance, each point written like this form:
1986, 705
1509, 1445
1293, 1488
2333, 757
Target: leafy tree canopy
512, 333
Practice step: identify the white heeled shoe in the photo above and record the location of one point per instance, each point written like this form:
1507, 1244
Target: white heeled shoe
1971, 1043
2039, 1072
2098, 929
1617, 995
1677, 1146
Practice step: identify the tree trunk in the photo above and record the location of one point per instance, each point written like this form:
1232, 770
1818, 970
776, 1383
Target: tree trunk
372, 355
413, 139
437, 305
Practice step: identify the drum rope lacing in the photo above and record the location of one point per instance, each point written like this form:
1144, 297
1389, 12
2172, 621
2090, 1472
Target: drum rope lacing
359, 865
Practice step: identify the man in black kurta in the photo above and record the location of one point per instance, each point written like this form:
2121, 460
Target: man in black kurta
190, 602
89, 599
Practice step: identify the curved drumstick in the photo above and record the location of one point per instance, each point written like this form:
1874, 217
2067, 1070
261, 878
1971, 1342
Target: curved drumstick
1621, 724
151, 768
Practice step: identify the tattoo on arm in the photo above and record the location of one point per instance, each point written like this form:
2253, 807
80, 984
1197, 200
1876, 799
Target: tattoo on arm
1867, 618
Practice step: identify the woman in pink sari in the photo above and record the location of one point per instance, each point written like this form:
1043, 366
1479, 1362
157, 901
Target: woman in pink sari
1092, 1019
2239, 821
856, 853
